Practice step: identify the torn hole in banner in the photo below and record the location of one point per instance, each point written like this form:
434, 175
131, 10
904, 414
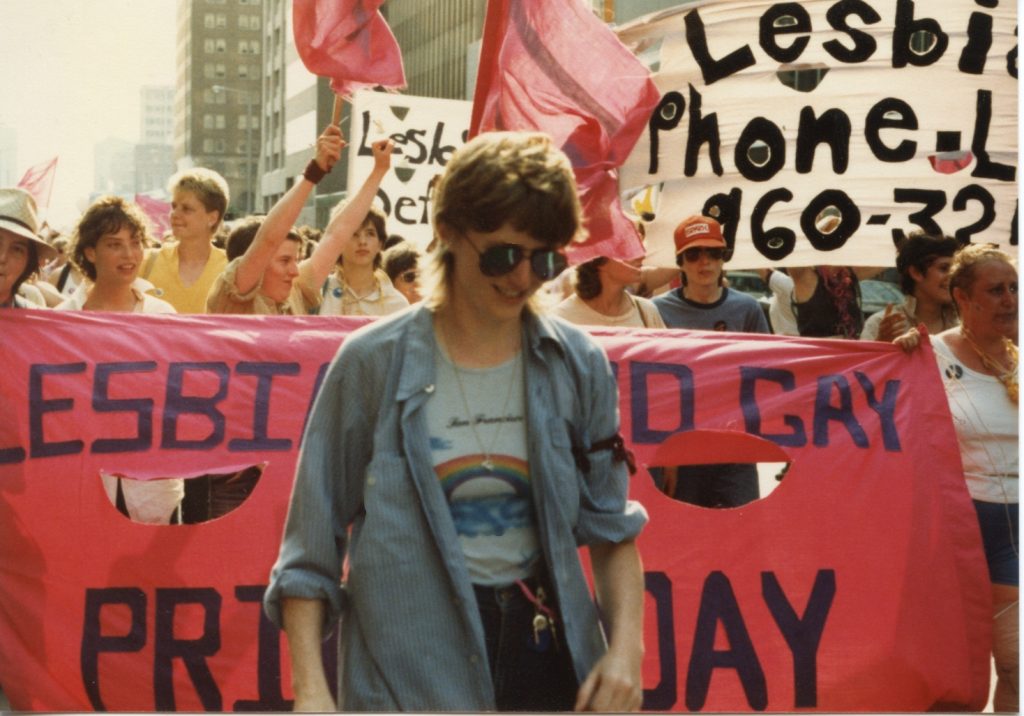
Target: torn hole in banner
922, 42
950, 162
718, 469
803, 77
189, 499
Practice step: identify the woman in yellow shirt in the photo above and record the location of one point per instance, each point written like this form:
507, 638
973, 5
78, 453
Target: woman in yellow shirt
183, 271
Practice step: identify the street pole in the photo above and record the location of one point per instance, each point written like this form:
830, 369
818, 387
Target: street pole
248, 152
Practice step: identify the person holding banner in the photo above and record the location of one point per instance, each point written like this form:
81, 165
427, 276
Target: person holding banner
923, 263
979, 365
183, 271
107, 247
267, 274
21, 248
457, 454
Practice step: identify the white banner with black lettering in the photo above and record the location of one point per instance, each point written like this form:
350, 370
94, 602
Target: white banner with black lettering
426, 131
890, 114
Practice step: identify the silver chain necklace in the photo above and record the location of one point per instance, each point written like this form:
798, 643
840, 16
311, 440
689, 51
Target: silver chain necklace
487, 462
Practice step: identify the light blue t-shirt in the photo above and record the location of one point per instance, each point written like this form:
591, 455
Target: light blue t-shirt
734, 311
478, 445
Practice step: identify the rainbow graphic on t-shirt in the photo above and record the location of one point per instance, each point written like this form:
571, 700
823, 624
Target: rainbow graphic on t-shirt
487, 501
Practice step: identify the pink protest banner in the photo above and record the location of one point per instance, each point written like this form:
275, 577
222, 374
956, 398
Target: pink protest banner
858, 584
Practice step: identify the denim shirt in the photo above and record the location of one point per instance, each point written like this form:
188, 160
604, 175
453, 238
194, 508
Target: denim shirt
412, 638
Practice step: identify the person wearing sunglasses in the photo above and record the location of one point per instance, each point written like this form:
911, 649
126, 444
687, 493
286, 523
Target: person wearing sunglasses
704, 302
448, 442
401, 264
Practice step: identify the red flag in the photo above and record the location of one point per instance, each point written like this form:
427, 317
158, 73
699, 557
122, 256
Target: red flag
348, 41
38, 181
556, 68
158, 212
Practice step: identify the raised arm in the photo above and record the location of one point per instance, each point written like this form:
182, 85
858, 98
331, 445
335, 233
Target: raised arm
347, 221
282, 216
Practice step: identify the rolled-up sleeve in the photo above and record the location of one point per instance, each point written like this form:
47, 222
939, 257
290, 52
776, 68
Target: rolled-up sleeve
327, 492
606, 515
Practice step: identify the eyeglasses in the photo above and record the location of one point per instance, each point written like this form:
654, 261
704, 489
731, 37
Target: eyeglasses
408, 276
502, 259
694, 253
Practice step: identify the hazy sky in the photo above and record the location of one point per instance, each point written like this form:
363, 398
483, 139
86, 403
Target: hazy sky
70, 73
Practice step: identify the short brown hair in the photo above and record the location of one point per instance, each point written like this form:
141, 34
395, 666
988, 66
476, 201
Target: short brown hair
107, 215
499, 178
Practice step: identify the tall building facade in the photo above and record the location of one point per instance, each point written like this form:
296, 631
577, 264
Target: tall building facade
156, 118
114, 167
297, 106
218, 92
154, 155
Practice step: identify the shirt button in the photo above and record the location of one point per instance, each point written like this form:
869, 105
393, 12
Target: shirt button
429, 388
473, 659
371, 480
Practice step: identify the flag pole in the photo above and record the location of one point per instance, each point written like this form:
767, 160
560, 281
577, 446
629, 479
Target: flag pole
336, 113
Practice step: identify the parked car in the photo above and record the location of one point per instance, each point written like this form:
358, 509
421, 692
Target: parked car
874, 295
751, 283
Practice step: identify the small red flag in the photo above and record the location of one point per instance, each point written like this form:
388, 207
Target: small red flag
555, 67
348, 41
158, 212
38, 181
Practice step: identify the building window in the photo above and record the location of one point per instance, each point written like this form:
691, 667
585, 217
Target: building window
208, 46
222, 45
208, 70
208, 146
209, 20
219, 146
254, 22
243, 47
254, 47
221, 122
207, 121
221, 71
222, 20
243, 22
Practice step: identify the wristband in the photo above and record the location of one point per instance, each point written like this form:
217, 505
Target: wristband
313, 173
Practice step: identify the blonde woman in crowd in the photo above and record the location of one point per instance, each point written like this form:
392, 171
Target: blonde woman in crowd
183, 271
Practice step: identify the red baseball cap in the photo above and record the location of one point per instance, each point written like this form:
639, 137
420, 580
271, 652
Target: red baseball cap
698, 230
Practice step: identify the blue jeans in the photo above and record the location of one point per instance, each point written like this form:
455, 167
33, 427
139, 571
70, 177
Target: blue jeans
1000, 532
527, 676
725, 485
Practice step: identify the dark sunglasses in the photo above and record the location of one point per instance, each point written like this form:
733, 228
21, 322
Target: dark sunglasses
693, 254
408, 276
503, 259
